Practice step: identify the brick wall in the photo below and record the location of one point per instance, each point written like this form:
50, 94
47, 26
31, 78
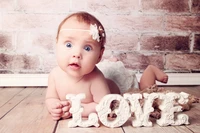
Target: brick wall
165, 33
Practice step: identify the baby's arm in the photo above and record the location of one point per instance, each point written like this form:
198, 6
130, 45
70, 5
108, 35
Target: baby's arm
54, 107
88, 108
58, 109
99, 88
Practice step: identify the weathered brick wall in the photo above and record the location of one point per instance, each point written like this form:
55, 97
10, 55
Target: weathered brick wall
165, 33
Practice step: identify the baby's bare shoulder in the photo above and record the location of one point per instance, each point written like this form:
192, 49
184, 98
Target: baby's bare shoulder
55, 74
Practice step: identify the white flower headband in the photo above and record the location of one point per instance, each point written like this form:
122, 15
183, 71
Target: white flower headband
94, 31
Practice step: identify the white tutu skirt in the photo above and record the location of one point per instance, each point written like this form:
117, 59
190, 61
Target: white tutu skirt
124, 78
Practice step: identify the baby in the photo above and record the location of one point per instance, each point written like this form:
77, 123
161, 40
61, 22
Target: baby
80, 46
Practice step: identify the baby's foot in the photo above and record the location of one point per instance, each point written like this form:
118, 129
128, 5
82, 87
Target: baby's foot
165, 79
162, 77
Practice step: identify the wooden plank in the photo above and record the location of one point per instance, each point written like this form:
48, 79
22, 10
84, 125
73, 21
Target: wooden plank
7, 94
30, 116
194, 115
11, 97
63, 128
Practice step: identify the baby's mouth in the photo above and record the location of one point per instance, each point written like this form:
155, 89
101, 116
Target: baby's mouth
74, 66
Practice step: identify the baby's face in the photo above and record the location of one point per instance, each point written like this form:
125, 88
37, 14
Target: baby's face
77, 53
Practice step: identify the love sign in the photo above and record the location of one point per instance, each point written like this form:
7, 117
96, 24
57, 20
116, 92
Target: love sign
128, 104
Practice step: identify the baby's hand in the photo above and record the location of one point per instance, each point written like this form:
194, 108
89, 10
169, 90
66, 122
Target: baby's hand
56, 111
65, 109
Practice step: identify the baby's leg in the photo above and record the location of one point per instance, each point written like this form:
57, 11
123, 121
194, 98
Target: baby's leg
150, 75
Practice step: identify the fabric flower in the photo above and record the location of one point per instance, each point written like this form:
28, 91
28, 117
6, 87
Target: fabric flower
94, 32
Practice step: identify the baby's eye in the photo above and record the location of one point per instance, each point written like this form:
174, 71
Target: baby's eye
88, 48
68, 44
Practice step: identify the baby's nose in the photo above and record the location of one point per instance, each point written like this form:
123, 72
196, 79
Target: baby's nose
77, 55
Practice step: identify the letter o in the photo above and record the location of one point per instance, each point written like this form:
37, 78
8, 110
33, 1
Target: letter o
103, 109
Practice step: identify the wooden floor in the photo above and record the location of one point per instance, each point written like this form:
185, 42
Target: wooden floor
22, 110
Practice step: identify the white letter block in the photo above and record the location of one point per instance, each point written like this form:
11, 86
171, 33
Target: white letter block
168, 109
141, 114
103, 109
76, 111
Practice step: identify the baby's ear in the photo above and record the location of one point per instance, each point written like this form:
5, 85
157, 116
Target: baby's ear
101, 54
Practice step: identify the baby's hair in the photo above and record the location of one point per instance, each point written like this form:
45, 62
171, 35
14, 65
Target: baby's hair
88, 19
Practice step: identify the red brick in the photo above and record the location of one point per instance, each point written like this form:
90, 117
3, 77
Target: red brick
44, 40
49, 62
197, 42
113, 6
183, 62
19, 62
7, 5
183, 23
165, 5
165, 43
122, 41
135, 23
60, 18
1, 21
35, 43
138, 61
196, 6
5, 71
26, 28
24, 43
6, 40
43, 6
29, 22
78, 5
